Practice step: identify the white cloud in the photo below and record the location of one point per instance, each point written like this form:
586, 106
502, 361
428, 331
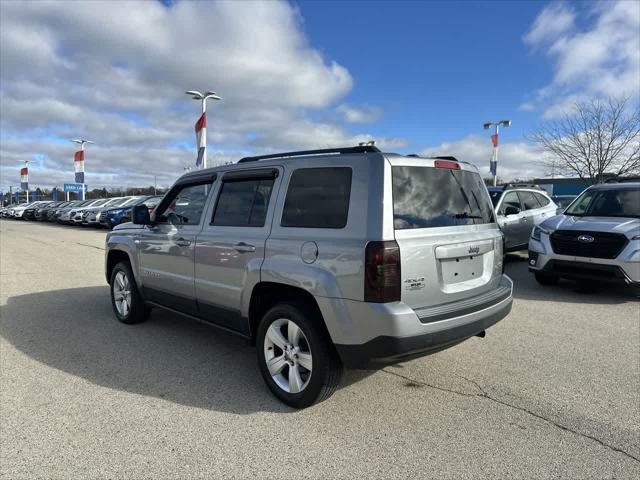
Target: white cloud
323, 135
516, 160
555, 20
364, 114
116, 72
602, 59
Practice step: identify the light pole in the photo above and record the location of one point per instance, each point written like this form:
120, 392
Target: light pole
24, 177
493, 164
201, 124
78, 160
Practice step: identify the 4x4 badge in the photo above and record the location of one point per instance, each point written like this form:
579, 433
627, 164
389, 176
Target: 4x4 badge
586, 238
414, 283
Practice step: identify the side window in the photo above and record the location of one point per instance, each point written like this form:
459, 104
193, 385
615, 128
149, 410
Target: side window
510, 200
186, 206
528, 200
318, 198
243, 203
544, 201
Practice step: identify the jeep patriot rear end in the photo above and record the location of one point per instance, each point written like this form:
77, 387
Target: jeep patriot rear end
326, 258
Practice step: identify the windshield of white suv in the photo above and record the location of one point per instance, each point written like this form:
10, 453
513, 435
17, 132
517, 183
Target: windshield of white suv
495, 195
425, 197
623, 202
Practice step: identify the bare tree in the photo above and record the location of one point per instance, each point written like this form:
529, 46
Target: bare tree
598, 139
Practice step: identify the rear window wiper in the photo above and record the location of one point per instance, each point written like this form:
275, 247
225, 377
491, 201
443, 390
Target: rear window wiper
466, 215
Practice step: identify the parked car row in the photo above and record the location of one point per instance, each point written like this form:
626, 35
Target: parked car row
102, 212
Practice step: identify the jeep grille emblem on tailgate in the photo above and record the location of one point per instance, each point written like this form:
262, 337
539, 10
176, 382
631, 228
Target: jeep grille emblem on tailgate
586, 238
474, 249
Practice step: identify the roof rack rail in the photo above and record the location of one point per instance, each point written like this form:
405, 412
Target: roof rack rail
522, 185
302, 153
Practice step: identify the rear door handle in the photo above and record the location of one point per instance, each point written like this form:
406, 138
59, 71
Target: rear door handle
244, 247
181, 242
523, 220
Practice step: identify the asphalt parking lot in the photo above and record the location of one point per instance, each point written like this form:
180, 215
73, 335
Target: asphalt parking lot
553, 391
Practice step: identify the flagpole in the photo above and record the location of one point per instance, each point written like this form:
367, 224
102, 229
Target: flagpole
82, 149
82, 142
495, 158
201, 134
204, 134
493, 163
26, 183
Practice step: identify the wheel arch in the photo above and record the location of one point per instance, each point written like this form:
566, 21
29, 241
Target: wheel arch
265, 295
115, 256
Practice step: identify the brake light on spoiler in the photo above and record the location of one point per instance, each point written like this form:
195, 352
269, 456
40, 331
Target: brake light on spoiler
446, 164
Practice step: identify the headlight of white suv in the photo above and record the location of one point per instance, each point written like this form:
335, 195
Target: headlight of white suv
537, 231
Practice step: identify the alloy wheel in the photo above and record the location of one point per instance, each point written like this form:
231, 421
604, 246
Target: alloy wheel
288, 355
122, 293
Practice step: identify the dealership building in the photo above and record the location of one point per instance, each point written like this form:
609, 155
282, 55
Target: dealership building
573, 186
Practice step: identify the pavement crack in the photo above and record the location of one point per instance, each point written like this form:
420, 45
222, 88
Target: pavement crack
90, 246
485, 395
419, 382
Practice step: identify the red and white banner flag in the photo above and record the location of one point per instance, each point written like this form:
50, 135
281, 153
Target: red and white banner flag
201, 137
494, 139
24, 178
78, 162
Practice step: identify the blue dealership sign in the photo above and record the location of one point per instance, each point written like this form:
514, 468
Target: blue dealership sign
74, 187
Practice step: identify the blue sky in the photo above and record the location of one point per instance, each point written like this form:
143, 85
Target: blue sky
437, 69
415, 76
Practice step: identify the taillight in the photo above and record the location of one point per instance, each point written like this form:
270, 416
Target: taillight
382, 272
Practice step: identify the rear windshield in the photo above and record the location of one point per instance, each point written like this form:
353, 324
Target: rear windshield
425, 197
607, 203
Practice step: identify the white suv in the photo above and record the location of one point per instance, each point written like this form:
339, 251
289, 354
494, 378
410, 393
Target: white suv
596, 239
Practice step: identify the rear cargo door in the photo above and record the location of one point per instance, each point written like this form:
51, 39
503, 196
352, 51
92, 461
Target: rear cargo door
444, 224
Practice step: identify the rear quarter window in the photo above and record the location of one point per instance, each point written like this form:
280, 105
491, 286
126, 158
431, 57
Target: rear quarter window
528, 200
544, 201
318, 198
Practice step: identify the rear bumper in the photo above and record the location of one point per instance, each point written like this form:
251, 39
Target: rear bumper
388, 350
376, 335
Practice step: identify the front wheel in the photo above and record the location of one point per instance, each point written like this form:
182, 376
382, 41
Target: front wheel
296, 357
546, 278
126, 301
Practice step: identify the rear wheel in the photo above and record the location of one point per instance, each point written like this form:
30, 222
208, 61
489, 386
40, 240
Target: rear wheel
546, 278
296, 358
126, 301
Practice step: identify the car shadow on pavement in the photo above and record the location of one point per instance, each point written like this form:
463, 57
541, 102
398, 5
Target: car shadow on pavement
168, 356
526, 287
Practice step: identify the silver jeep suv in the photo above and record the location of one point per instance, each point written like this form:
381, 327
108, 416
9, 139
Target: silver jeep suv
323, 259
596, 239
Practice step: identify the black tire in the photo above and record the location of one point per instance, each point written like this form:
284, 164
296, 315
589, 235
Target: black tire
546, 278
326, 365
138, 311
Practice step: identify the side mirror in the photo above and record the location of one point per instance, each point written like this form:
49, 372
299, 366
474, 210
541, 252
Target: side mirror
140, 215
559, 211
511, 210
